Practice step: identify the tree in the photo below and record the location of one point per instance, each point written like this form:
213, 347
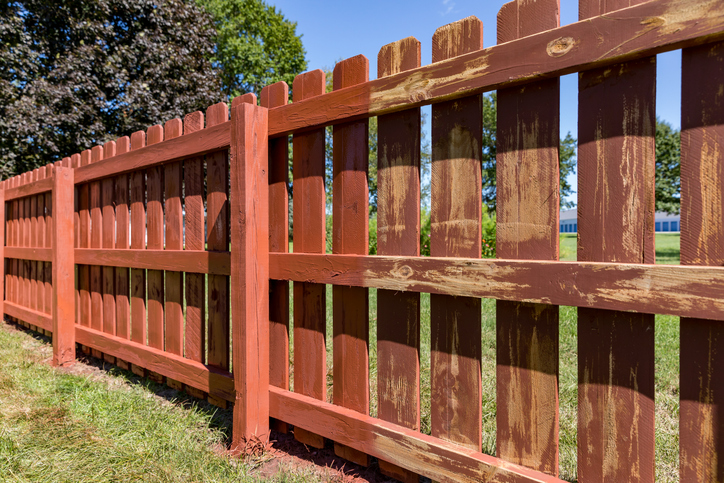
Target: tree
77, 73
567, 156
255, 45
668, 168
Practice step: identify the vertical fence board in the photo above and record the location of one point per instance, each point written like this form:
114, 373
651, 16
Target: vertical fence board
122, 278
138, 242
48, 220
615, 224
27, 238
310, 314
455, 323
250, 272
217, 216
702, 243
84, 233
527, 228
173, 184
8, 241
350, 225
33, 242
96, 241
195, 340
154, 220
277, 95
3, 243
63, 268
398, 233
108, 236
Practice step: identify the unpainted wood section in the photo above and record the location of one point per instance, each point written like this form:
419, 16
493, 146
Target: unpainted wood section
641, 31
195, 337
250, 272
418, 453
616, 170
200, 143
272, 96
398, 233
123, 224
702, 243
350, 225
527, 228
173, 185
63, 268
96, 241
455, 325
138, 242
217, 218
195, 261
154, 241
30, 189
310, 352
205, 378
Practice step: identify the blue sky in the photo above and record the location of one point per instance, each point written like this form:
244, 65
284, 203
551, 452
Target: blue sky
334, 30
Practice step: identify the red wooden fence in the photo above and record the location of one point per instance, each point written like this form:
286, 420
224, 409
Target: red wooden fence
179, 228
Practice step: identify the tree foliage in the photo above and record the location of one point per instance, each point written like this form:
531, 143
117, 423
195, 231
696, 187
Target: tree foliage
76, 73
668, 168
255, 45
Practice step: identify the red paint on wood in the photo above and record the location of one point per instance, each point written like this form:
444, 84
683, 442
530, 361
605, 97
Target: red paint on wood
84, 242
96, 241
122, 279
138, 242
108, 243
702, 243
48, 220
398, 233
455, 216
63, 268
195, 339
3, 242
310, 352
350, 216
527, 228
273, 96
615, 224
154, 241
250, 272
217, 223
173, 184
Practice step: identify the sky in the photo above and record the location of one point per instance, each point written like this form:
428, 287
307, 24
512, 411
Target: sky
336, 30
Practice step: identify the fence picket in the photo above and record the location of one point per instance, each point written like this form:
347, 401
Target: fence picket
47, 237
96, 241
154, 241
308, 235
455, 323
398, 233
122, 225
702, 243
527, 228
138, 242
615, 223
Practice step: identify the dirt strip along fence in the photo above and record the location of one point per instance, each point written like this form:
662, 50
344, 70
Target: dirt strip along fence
179, 228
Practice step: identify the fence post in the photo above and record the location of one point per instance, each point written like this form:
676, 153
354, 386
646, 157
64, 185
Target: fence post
2, 250
63, 268
250, 272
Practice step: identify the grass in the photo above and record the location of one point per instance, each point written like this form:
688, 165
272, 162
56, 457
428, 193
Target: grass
56, 426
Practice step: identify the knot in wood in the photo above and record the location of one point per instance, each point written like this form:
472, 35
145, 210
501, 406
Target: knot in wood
405, 271
561, 46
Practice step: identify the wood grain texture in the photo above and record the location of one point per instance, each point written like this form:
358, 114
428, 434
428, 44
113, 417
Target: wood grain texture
3, 242
138, 242
702, 243
398, 233
272, 96
616, 224
63, 306
527, 228
310, 348
84, 242
22, 253
640, 31
250, 272
29, 317
30, 189
418, 453
195, 337
174, 240
47, 266
217, 239
96, 241
350, 225
195, 261
154, 241
108, 242
455, 324
123, 224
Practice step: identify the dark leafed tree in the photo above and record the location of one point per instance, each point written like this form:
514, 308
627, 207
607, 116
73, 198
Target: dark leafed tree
255, 45
76, 73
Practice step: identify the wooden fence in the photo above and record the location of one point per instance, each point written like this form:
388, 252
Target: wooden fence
156, 284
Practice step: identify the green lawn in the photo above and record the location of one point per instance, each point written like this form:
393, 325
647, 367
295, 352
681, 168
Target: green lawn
56, 426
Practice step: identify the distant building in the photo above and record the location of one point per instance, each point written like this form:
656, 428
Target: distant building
663, 222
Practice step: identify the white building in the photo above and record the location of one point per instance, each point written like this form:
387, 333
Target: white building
663, 222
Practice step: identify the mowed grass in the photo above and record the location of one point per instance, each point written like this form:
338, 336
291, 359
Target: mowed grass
56, 426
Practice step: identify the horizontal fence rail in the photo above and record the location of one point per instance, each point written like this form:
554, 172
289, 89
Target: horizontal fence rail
167, 252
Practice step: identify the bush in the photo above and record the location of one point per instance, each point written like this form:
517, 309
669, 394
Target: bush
487, 229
